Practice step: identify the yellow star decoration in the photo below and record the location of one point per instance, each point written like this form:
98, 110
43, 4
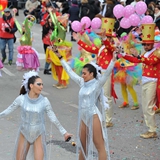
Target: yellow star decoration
155, 74
148, 73
159, 86
86, 46
106, 62
105, 50
154, 68
151, 69
155, 59
142, 59
94, 48
146, 66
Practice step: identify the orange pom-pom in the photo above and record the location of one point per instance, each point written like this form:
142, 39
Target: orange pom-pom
117, 64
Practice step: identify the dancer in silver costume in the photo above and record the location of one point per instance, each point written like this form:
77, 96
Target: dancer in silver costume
32, 128
92, 134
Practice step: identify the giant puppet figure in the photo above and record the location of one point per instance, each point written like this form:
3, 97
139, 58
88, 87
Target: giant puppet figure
60, 45
27, 57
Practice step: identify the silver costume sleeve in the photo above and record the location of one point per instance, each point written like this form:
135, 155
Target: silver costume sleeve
79, 80
16, 104
106, 74
53, 117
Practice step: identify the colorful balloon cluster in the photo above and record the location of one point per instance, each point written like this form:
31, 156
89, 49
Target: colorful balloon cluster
3, 4
132, 15
86, 21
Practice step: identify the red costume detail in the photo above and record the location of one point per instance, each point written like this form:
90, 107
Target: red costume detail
151, 68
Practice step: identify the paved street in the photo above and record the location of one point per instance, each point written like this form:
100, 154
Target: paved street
124, 140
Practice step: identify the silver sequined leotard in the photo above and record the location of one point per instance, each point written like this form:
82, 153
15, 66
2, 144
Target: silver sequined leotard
88, 95
32, 117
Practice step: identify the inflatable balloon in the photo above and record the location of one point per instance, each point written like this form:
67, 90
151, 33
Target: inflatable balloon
87, 21
118, 11
140, 7
3, 4
128, 10
125, 23
76, 26
147, 20
134, 20
96, 23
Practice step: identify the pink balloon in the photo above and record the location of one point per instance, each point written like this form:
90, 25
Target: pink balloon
87, 21
96, 23
140, 7
125, 23
134, 20
128, 10
147, 20
118, 11
76, 26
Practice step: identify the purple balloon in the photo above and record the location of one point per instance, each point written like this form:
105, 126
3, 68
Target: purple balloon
147, 20
134, 20
125, 23
96, 23
140, 8
118, 11
87, 21
76, 26
128, 10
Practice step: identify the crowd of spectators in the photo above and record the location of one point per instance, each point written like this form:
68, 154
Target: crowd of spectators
91, 8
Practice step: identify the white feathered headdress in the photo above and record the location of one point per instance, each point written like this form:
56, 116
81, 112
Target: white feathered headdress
26, 77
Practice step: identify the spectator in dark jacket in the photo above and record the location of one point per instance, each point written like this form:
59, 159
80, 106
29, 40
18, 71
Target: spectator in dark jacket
107, 8
84, 8
65, 7
73, 14
94, 10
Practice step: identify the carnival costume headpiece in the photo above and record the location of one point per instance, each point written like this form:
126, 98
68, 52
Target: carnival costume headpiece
108, 25
31, 20
148, 33
26, 77
60, 23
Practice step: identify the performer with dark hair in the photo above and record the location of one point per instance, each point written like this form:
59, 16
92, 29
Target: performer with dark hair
32, 128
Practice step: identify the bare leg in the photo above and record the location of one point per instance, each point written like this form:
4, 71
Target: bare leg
38, 149
83, 133
98, 138
23, 147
